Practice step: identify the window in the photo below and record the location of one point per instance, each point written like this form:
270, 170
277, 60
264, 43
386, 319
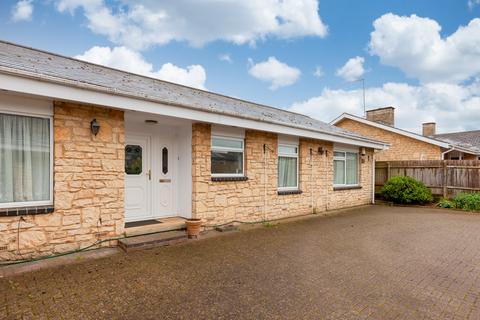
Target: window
345, 168
165, 160
133, 159
227, 156
25, 160
287, 167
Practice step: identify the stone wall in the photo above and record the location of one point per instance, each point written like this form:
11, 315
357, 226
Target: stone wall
401, 147
88, 188
257, 198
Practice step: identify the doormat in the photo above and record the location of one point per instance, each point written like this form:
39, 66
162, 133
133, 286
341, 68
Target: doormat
141, 223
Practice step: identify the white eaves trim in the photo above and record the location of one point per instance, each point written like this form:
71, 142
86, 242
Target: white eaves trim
83, 93
391, 129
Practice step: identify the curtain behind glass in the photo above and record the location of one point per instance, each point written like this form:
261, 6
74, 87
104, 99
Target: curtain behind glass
227, 162
339, 172
352, 168
287, 172
24, 158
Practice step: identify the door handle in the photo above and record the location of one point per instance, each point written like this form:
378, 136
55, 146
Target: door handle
164, 180
149, 174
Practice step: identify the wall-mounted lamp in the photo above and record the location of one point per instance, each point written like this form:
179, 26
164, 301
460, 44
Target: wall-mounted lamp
363, 151
94, 127
321, 151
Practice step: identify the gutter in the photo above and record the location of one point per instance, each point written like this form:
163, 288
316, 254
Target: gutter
114, 91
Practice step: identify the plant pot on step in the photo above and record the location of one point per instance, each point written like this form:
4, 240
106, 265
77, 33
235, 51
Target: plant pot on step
193, 228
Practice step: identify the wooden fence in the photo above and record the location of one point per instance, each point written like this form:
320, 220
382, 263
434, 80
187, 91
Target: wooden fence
444, 177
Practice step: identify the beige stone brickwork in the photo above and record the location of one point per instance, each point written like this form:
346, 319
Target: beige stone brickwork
257, 199
382, 115
88, 188
401, 147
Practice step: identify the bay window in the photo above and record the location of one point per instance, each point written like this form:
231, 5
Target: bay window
287, 167
25, 160
227, 157
345, 168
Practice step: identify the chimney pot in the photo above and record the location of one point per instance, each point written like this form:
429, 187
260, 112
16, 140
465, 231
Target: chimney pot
382, 115
429, 129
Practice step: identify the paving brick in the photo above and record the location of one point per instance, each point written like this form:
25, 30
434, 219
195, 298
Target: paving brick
373, 262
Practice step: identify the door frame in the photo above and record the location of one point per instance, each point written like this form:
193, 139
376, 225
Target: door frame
155, 143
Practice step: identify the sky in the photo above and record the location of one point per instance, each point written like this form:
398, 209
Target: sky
306, 56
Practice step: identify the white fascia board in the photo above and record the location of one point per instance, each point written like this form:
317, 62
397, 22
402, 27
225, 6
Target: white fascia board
83, 93
391, 129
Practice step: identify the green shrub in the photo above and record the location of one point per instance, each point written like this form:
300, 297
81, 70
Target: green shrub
445, 203
467, 201
406, 190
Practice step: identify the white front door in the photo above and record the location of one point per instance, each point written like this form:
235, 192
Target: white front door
164, 174
138, 174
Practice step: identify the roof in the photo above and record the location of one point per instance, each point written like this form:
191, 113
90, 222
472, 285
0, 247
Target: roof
48, 67
450, 141
390, 128
467, 139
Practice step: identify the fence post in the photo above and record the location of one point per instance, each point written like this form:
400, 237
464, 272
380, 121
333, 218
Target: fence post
445, 194
388, 171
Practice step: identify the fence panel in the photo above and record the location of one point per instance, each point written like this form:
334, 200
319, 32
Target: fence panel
444, 177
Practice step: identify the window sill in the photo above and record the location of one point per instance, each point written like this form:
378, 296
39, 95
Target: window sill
337, 188
287, 192
24, 211
220, 179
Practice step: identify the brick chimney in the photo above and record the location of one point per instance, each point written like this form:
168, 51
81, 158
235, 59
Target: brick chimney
382, 115
429, 128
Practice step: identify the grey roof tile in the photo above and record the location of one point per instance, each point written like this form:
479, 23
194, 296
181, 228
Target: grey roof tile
467, 139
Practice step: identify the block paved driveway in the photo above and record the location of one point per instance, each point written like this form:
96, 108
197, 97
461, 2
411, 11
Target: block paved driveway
370, 263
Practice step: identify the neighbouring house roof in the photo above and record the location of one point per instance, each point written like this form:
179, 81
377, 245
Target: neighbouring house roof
21, 61
468, 144
467, 139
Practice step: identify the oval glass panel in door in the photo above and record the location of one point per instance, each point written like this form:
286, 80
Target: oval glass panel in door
133, 159
165, 160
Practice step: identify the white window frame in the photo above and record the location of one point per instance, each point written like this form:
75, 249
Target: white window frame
242, 150
344, 159
49, 202
288, 155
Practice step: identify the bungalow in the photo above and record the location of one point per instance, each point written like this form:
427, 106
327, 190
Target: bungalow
87, 150
405, 145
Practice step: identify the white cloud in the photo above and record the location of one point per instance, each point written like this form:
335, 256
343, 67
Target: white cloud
414, 45
472, 3
453, 107
277, 73
352, 70
318, 72
192, 76
129, 60
141, 23
22, 11
225, 57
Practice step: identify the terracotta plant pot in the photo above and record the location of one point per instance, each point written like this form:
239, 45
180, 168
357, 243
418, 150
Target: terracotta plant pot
193, 227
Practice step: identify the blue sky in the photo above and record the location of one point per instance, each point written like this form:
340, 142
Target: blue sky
419, 60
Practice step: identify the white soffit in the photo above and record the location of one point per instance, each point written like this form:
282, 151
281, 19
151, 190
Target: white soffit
20, 104
228, 131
